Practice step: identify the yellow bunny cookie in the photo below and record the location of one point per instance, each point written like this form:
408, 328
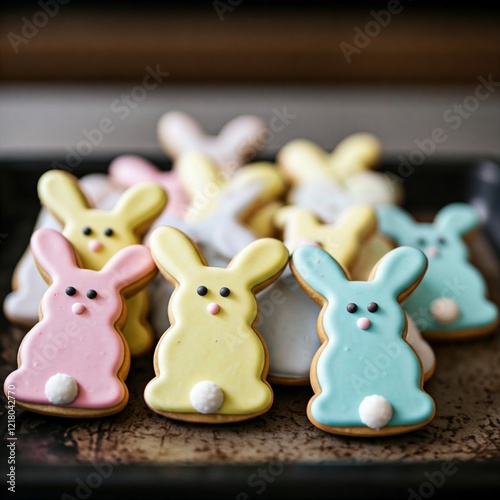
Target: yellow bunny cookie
98, 234
211, 364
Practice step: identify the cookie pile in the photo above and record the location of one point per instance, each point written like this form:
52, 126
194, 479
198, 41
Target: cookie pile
301, 272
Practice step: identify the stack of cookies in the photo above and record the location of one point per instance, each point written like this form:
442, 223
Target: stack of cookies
303, 271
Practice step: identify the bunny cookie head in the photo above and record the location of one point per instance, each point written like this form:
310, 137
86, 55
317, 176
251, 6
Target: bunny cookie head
73, 362
99, 234
342, 240
451, 301
211, 364
238, 141
356, 153
367, 380
129, 170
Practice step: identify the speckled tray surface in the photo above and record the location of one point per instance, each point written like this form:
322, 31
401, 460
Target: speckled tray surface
152, 452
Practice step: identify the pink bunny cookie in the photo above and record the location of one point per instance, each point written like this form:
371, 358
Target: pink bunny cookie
98, 234
211, 364
28, 286
238, 141
129, 170
73, 363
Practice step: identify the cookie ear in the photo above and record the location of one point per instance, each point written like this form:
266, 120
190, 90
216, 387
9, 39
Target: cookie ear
141, 204
175, 254
318, 271
394, 222
296, 222
178, 133
303, 161
359, 222
263, 172
199, 175
259, 262
53, 253
130, 265
458, 218
60, 194
355, 153
243, 134
400, 270
129, 170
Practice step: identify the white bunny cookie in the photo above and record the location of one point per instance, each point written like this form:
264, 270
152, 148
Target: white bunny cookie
98, 234
211, 364
22, 304
205, 183
238, 141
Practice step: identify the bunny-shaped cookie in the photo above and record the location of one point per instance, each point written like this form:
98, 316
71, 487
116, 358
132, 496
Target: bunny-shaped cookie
451, 301
21, 305
220, 236
367, 380
129, 170
205, 183
74, 361
238, 142
98, 234
211, 364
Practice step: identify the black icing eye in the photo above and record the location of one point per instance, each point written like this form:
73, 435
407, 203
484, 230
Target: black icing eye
91, 294
86, 230
108, 232
441, 240
372, 307
202, 290
71, 290
421, 242
351, 307
224, 291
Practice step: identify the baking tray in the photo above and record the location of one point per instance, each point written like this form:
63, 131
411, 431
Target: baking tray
280, 454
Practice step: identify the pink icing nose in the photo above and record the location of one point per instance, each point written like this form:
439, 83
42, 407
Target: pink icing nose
431, 251
78, 308
95, 245
213, 308
363, 323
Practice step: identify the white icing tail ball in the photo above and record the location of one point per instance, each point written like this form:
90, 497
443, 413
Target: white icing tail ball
206, 397
445, 311
375, 411
61, 389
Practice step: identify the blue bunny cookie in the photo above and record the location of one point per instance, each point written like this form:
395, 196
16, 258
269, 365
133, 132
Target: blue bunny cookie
366, 378
451, 301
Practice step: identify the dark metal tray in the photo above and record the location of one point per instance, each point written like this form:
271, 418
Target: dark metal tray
279, 455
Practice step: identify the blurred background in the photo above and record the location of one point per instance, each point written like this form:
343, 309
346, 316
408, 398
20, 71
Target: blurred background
399, 69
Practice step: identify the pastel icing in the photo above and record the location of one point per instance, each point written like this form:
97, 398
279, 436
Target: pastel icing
98, 234
224, 348
355, 363
129, 170
77, 357
451, 300
237, 142
21, 305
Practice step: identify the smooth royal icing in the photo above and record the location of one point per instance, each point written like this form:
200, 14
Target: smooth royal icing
354, 363
238, 141
85, 344
450, 275
224, 348
133, 213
